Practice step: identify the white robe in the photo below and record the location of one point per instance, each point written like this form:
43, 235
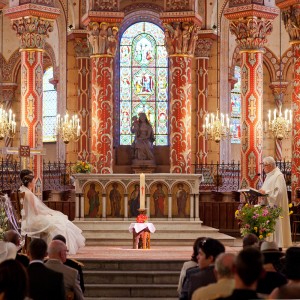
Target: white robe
38, 218
275, 187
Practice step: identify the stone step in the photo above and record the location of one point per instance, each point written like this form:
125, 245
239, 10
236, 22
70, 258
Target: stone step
134, 298
130, 291
132, 265
131, 277
173, 233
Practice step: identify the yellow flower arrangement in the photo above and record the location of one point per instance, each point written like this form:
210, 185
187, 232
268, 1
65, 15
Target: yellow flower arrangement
82, 167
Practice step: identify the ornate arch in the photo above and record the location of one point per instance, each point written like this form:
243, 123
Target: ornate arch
272, 63
287, 61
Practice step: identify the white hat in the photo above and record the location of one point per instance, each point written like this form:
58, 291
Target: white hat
8, 250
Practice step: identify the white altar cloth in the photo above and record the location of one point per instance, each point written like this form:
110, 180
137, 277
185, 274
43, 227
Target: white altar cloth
138, 227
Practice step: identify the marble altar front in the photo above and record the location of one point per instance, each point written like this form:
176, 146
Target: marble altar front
105, 197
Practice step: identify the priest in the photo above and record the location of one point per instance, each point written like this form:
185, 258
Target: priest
275, 187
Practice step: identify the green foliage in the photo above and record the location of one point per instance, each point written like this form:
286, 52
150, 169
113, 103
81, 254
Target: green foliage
3, 222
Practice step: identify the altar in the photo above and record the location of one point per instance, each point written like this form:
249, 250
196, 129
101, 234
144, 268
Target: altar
107, 197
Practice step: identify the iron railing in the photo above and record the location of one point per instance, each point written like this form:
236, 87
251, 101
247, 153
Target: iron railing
225, 177
220, 177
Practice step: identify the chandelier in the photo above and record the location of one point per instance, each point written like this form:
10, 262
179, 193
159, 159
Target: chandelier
217, 127
7, 124
68, 128
280, 125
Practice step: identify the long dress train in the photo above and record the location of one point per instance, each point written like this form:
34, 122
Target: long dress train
38, 218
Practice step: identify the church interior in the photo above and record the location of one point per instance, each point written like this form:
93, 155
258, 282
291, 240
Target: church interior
216, 82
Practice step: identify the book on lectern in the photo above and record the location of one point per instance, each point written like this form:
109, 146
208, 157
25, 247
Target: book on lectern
253, 192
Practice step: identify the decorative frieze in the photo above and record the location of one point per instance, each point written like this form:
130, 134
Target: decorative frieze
104, 5
179, 5
234, 3
39, 2
203, 47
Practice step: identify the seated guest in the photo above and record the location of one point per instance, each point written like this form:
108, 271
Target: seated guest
291, 290
225, 282
209, 249
14, 237
271, 278
189, 264
7, 251
72, 263
13, 281
251, 240
44, 284
248, 269
57, 252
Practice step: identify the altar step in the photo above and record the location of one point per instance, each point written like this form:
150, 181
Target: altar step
168, 233
131, 279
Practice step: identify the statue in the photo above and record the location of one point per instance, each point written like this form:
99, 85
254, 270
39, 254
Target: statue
144, 138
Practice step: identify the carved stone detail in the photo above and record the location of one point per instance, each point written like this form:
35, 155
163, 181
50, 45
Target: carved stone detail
251, 32
32, 31
82, 48
103, 38
178, 5
39, 2
181, 37
234, 3
203, 47
291, 19
105, 5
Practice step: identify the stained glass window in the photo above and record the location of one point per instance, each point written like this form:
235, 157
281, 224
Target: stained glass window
236, 108
49, 107
143, 80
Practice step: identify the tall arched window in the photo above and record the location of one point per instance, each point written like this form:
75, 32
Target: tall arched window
143, 80
236, 108
49, 107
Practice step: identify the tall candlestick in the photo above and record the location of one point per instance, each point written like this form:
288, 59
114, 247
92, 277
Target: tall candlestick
142, 191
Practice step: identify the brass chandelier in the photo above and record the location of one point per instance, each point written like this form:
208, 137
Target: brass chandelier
68, 128
217, 126
280, 125
7, 124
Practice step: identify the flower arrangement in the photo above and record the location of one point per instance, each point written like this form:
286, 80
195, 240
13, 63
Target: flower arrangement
3, 222
259, 220
82, 167
141, 218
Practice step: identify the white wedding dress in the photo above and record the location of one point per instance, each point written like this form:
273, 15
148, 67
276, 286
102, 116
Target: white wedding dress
38, 218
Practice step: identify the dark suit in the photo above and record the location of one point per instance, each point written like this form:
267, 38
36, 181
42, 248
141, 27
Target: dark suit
203, 278
45, 284
23, 259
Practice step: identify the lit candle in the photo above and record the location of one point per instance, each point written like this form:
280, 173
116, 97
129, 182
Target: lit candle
142, 191
274, 114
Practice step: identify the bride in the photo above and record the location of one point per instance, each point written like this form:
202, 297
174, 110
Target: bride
37, 219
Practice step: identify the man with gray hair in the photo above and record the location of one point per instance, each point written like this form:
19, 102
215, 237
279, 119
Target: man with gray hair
225, 279
275, 187
57, 252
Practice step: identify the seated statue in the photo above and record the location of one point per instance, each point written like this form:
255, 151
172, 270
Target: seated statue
144, 138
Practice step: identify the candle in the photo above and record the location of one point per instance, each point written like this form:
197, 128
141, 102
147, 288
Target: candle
142, 191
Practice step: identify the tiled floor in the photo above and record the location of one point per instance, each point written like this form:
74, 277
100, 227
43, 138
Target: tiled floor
155, 253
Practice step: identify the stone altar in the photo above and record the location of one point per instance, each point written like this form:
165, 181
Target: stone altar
105, 197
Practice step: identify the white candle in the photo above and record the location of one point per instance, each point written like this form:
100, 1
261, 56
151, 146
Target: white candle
142, 191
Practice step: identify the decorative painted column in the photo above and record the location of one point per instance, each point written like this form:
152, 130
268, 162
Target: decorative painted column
32, 24
82, 51
103, 39
278, 92
291, 17
251, 24
202, 53
181, 35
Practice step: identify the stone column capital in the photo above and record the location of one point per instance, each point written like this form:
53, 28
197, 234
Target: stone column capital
32, 31
278, 90
103, 37
251, 23
204, 43
81, 43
